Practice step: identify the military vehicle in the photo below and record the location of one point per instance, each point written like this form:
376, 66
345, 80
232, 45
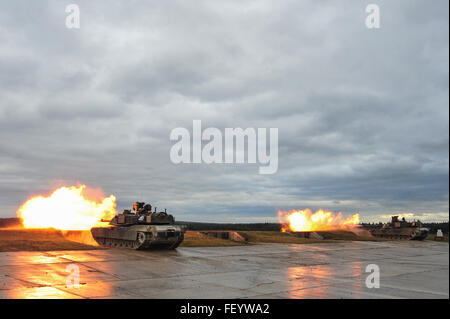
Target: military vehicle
401, 229
140, 228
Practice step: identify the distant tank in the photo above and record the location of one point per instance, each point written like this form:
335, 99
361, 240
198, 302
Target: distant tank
401, 229
140, 228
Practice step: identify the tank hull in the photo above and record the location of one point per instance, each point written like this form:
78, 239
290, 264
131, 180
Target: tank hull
139, 236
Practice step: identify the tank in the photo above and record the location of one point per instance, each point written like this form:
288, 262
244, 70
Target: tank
401, 229
140, 228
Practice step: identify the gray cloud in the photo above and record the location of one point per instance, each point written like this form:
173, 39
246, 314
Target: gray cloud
362, 114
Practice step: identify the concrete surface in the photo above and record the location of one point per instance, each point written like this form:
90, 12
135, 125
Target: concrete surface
408, 270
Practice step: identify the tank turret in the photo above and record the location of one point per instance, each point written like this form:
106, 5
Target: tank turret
142, 214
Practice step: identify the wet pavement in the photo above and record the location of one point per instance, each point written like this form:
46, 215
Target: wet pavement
408, 269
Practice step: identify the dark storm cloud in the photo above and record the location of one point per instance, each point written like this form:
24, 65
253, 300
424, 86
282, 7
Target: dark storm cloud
362, 114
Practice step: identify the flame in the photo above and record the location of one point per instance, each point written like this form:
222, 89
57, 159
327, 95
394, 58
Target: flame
67, 208
305, 220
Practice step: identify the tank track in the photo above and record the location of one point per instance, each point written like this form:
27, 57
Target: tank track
136, 244
401, 237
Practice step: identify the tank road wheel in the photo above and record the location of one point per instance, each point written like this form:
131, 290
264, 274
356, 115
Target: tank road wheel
139, 242
135, 245
141, 238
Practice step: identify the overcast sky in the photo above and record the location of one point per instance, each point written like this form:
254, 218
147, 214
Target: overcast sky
362, 114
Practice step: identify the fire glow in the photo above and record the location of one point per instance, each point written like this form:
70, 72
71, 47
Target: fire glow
67, 208
305, 220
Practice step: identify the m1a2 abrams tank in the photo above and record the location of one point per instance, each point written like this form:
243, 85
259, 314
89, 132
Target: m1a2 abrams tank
401, 229
140, 228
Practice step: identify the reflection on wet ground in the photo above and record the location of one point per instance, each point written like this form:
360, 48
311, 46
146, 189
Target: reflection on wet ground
407, 270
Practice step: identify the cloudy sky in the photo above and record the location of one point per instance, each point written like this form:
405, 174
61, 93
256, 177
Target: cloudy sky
362, 114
